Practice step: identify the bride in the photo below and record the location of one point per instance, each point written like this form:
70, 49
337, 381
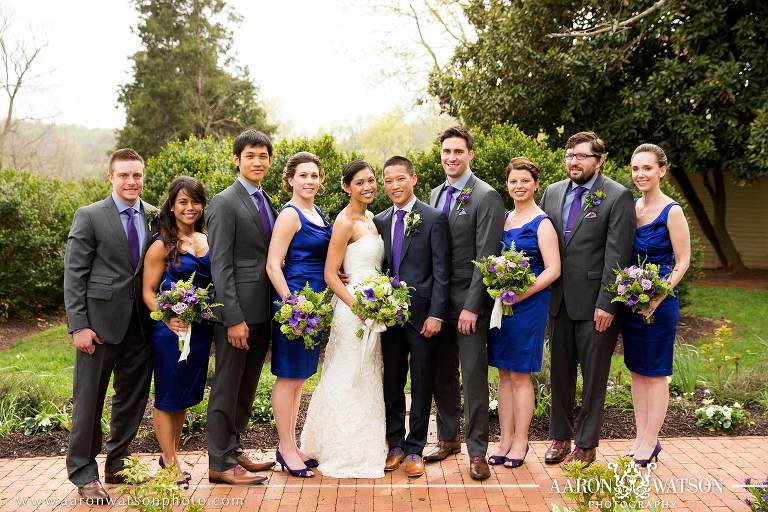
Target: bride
345, 425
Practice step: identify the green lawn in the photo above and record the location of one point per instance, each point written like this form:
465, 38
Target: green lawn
49, 356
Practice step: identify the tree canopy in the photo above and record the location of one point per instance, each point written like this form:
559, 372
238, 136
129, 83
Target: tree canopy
186, 80
689, 75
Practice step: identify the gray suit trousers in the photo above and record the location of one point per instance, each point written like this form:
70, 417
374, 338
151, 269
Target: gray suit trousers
472, 353
131, 361
577, 343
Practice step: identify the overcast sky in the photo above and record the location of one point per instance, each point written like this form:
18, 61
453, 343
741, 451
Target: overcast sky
320, 64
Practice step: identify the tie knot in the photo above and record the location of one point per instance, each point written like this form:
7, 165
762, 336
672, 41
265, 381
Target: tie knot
450, 189
400, 214
579, 191
130, 211
257, 194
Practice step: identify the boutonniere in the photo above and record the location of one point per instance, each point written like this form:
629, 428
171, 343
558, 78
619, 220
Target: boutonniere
463, 197
593, 199
152, 216
412, 221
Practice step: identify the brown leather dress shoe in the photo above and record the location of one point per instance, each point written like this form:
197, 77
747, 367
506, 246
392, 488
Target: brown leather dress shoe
253, 467
443, 450
237, 475
478, 468
414, 466
94, 493
557, 451
393, 461
585, 455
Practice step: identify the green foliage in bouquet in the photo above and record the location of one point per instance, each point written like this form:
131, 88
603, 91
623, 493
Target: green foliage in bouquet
383, 300
305, 315
186, 301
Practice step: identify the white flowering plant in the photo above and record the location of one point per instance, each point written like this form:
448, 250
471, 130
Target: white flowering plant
720, 417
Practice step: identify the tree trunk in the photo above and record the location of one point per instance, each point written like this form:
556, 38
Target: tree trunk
716, 233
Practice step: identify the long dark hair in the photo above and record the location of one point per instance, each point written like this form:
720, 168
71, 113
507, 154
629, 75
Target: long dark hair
167, 220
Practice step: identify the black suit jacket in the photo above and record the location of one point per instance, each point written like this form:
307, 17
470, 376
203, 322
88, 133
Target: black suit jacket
238, 250
424, 262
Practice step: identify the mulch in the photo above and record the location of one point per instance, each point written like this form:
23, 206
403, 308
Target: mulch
617, 424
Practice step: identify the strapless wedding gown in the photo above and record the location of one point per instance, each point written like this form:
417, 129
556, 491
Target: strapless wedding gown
345, 428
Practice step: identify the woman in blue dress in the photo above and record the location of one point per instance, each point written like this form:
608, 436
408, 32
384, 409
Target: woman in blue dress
516, 348
661, 237
179, 249
296, 257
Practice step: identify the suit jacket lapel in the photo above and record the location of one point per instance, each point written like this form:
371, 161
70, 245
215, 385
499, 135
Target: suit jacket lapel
248, 202
387, 234
148, 238
454, 207
598, 185
113, 217
417, 208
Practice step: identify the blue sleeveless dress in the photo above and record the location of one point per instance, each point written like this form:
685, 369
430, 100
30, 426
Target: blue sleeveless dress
519, 344
304, 262
648, 347
179, 385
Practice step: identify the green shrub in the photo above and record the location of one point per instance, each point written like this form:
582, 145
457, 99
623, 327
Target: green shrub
720, 417
26, 405
685, 364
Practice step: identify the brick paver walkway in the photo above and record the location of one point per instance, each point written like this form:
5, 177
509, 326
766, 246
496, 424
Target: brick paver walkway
699, 474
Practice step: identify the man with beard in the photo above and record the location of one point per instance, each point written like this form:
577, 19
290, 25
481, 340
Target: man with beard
595, 221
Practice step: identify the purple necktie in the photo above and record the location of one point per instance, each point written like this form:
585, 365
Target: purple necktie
449, 190
133, 238
573, 213
397, 243
266, 222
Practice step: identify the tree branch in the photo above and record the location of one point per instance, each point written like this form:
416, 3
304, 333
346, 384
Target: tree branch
421, 37
612, 26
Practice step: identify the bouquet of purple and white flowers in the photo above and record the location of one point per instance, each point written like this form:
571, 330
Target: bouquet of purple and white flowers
505, 277
637, 285
187, 302
305, 315
381, 300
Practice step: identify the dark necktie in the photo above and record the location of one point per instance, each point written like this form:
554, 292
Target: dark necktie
133, 238
266, 222
397, 243
449, 190
574, 211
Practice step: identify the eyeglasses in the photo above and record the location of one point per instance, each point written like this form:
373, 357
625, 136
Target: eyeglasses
579, 156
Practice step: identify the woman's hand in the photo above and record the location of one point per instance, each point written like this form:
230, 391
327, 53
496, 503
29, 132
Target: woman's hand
648, 313
177, 326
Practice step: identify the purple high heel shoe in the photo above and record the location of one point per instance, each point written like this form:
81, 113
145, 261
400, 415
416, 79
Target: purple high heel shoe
311, 463
516, 463
300, 473
497, 460
654, 455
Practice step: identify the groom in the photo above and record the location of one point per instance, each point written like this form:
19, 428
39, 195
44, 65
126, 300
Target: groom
417, 249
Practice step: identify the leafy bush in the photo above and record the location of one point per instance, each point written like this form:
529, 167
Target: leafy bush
720, 417
593, 492
49, 417
684, 362
35, 216
150, 493
759, 492
25, 405
747, 386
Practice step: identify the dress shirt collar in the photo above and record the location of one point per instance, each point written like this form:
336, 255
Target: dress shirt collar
588, 185
459, 185
249, 187
122, 205
408, 206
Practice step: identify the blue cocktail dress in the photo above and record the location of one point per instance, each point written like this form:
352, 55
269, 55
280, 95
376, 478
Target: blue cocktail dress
179, 385
648, 347
304, 263
518, 345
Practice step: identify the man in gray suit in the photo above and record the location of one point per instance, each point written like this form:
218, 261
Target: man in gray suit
595, 221
240, 220
476, 222
106, 316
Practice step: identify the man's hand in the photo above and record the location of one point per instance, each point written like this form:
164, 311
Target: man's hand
467, 322
177, 326
84, 340
237, 335
431, 327
603, 320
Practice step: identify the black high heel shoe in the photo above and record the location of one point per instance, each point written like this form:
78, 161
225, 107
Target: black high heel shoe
516, 463
654, 455
300, 473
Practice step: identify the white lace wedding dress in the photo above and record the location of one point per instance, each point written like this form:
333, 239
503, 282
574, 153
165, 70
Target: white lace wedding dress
345, 428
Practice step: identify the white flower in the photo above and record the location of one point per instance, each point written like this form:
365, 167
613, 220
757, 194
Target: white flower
710, 411
707, 392
736, 405
493, 405
727, 412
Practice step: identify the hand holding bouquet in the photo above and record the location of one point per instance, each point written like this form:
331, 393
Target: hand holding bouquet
638, 285
305, 315
505, 277
188, 303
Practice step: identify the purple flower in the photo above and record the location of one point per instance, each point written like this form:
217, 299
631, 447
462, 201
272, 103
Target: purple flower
508, 297
400, 315
293, 320
291, 299
369, 294
206, 314
395, 282
179, 308
633, 299
463, 197
312, 321
191, 299
646, 284
173, 286
492, 268
524, 263
596, 201
621, 289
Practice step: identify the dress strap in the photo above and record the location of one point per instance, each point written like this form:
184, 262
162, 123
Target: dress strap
665, 212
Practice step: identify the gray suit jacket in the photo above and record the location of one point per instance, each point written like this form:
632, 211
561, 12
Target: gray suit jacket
476, 231
602, 238
101, 286
424, 261
238, 252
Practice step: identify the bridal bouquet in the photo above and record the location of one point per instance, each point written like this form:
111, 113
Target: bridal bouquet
637, 285
189, 303
505, 276
305, 315
382, 301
